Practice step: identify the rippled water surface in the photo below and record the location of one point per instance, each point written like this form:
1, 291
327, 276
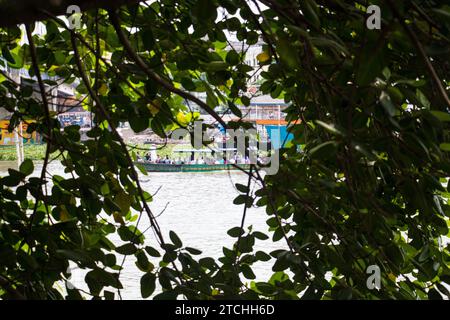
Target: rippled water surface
198, 207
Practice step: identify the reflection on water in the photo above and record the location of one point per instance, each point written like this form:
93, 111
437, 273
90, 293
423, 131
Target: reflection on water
198, 207
5, 165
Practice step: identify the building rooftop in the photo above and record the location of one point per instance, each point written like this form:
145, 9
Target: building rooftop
266, 99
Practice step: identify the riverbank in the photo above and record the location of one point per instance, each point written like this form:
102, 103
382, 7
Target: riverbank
37, 152
32, 152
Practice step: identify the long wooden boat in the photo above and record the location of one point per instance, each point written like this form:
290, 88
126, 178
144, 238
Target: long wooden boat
163, 167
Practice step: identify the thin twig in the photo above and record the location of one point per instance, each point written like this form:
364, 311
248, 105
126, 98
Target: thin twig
244, 213
144, 67
37, 72
422, 53
7, 286
105, 114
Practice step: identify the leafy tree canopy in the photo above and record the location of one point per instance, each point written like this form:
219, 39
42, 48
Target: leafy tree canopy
369, 109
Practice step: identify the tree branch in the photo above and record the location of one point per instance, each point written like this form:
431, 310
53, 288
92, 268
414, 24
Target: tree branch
6, 285
422, 53
103, 111
244, 214
15, 12
47, 122
105, 114
154, 76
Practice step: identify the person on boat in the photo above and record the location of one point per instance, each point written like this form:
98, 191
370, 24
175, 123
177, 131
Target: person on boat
201, 161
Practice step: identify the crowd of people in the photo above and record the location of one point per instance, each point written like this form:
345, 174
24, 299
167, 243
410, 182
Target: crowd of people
235, 159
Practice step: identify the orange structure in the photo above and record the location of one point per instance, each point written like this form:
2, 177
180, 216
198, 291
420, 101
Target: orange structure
8, 138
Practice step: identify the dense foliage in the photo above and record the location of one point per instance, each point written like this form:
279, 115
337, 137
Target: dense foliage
369, 108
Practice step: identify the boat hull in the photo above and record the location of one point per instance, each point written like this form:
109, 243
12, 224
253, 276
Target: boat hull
162, 167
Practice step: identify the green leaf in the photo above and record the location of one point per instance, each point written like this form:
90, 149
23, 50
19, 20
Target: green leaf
310, 12
215, 66
371, 62
242, 188
27, 167
104, 189
232, 57
425, 254
75, 255
433, 294
175, 239
324, 149
129, 234
245, 101
204, 11
99, 278
126, 249
170, 256
208, 263
424, 102
152, 252
236, 111
193, 251
235, 232
262, 256
13, 179
7, 55
412, 83
240, 199
141, 168
138, 123
108, 295
260, 235
123, 200
442, 116
345, 294
331, 128
445, 146
148, 38
166, 295
287, 53
148, 285
387, 104
443, 12
247, 272
188, 84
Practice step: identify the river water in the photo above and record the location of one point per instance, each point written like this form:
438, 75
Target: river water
197, 206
